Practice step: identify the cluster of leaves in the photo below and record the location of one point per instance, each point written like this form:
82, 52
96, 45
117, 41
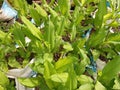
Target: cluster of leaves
62, 34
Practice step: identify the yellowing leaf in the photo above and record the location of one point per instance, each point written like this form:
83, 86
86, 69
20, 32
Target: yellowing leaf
29, 82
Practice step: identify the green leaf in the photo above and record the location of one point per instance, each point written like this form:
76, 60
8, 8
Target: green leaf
49, 69
83, 2
97, 38
114, 37
71, 83
60, 25
63, 64
81, 67
50, 34
6, 37
110, 71
20, 6
4, 66
35, 15
32, 29
83, 79
48, 57
19, 35
99, 86
77, 2
64, 6
41, 11
1, 88
67, 46
43, 85
87, 86
4, 81
59, 77
117, 84
52, 12
114, 24
73, 33
29, 82
13, 63
102, 10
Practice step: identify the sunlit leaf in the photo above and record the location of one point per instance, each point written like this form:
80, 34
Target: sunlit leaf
29, 82
64, 63
99, 86
86, 87
1, 88
59, 77
34, 31
83, 79
110, 70
67, 47
13, 63
3, 79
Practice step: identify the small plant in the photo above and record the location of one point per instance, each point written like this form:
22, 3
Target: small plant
66, 39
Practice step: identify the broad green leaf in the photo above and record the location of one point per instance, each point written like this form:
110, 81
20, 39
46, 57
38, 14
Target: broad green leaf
64, 6
43, 85
97, 38
84, 56
1, 88
87, 86
13, 63
49, 69
83, 79
109, 72
63, 64
102, 10
99, 86
67, 46
48, 57
4, 66
33, 30
29, 82
59, 77
4, 81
